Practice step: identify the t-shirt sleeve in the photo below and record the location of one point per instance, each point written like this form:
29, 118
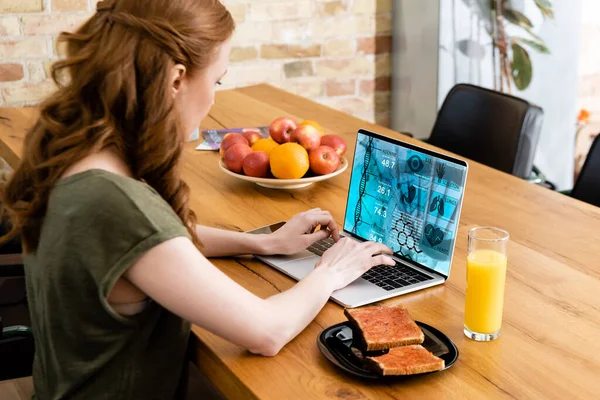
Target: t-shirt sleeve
125, 221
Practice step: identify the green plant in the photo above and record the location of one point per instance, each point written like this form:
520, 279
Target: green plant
514, 63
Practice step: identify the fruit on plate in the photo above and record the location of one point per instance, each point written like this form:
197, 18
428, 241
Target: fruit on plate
323, 160
281, 129
235, 155
256, 164
267, 145
307, 136
252, 137
290, 152
335, 142
231, 139
314, 124
289, 161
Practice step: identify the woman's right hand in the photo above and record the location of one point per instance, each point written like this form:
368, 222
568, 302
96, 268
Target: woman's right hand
348, 259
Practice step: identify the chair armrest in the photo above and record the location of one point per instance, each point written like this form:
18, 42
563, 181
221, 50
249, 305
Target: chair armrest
538, 178
16, 332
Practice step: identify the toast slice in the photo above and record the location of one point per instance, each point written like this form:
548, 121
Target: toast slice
405, 360
385, 327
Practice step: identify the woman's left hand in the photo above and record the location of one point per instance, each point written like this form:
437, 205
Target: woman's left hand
299, 232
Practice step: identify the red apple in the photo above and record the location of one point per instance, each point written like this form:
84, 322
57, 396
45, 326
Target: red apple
335, 142
231, 139
252, 136
256, 164
235, 155
323, 160
307, 136
281, 129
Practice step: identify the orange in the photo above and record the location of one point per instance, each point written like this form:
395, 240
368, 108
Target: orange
289, 161
266, 145
313, 124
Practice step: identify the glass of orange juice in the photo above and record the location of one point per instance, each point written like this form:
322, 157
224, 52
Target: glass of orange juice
486, 275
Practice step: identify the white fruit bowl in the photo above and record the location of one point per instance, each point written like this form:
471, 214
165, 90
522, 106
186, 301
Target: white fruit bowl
273, 183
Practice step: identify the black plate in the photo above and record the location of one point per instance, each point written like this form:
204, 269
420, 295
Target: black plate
338, 346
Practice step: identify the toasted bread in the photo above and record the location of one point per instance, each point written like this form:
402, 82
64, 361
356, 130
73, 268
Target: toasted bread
383, 327
405, 360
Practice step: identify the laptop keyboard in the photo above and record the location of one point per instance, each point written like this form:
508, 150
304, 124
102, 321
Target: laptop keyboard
319, 247
391, 278
385, 276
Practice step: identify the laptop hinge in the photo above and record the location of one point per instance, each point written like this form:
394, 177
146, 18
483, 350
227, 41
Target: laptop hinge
418, 267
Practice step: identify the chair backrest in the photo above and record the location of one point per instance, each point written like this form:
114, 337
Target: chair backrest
16, 340
17, 349
587, 187
489, 127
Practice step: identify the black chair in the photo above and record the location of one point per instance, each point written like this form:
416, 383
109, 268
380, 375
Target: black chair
16, 351
16, 338
493, 128
587, 187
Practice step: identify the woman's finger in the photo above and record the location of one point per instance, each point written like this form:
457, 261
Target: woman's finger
316, 236
377, 248
382, 260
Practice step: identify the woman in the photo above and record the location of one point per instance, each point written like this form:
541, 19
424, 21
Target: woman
115, 263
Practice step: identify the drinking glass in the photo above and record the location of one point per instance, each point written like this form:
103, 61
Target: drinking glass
486, 277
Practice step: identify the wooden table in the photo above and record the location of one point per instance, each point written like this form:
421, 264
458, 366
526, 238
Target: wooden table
550, 343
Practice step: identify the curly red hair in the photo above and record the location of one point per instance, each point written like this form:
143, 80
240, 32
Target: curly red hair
114, 92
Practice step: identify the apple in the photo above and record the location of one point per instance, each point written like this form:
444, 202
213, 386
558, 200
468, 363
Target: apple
281, 129
307, 136
256, 164
323, 160
252, 136
235, 155
335, 142
313, 123
231, 139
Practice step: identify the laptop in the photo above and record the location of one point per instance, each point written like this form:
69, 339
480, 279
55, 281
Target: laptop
405, 196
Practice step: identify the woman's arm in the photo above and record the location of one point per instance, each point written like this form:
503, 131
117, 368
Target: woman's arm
182, 280
294, 236
223, 243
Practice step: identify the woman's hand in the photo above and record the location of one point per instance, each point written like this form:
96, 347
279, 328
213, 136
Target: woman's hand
300, 232
348, 259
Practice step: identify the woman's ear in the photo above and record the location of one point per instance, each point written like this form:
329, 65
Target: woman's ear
179, 71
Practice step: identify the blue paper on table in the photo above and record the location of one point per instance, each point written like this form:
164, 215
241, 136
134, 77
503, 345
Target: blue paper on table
214, 137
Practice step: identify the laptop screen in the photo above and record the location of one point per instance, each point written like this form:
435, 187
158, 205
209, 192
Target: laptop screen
406, 197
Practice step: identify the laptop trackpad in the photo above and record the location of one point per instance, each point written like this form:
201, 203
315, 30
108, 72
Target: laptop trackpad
292, 257
300, 268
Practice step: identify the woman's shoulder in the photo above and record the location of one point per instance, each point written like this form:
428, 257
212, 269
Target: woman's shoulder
100, 192
98, 177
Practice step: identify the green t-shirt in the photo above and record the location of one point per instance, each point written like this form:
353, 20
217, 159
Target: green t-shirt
97, 224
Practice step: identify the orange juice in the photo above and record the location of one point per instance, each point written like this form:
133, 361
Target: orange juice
486, 274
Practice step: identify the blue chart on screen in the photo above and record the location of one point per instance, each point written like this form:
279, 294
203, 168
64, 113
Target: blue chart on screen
406, 199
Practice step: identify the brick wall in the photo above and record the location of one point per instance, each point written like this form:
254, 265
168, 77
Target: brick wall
333, 51
589, 69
